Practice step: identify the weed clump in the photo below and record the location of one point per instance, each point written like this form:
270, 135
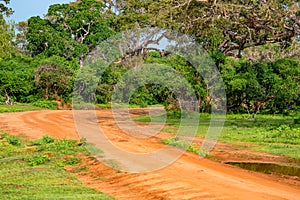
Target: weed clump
11, 139
175, 142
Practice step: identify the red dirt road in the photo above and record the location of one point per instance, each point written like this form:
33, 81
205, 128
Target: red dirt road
187, 178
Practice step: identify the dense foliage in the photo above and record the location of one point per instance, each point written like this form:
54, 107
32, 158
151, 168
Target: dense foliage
41, 60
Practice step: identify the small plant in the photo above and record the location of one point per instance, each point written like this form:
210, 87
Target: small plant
204, 154
192, 148
283, 127
46, 139
175, 142
83, 141
13, 140
3, 135
174, 114
297, 119
72, 161
37, 160
65, 146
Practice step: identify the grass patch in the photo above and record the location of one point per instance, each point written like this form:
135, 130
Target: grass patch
268, 168
175, 142
35, 169
276, 134
46, 104
18, 107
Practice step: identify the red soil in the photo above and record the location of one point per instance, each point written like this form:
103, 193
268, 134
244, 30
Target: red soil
188, 178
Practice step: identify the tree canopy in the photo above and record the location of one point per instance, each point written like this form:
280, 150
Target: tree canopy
4, 10
227, 26
6, 36
69, 30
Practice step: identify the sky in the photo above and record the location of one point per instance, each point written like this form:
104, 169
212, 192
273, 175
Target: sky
24, 9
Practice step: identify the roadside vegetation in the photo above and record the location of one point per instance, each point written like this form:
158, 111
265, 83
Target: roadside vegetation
18, 108
276, 134
35, 169
40, 58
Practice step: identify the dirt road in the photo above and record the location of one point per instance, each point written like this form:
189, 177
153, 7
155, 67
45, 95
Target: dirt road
187, 178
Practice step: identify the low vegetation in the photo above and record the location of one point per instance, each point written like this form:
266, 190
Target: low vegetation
275, 134
35, 169
181, 144
18, 108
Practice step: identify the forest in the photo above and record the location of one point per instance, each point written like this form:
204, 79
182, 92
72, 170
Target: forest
254, 45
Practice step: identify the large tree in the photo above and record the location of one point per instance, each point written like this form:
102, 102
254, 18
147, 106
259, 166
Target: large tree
16, 79
273, 86
222, 25
54, 77
5, 29
69, 30
5, 38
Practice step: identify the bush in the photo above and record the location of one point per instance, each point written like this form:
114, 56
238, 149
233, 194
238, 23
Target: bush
46, 104
72, 161
13, 140
297, 119
46, 139
31, 98
37, 160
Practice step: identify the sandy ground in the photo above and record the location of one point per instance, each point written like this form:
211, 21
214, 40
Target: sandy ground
188, 178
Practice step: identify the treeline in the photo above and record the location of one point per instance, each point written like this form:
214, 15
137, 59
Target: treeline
41, 60
270, 87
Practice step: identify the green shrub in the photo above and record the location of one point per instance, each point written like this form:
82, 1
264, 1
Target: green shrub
46, 139
13, 140
72, 161
31, 98
297, 119
175, 142
3, 135
46, 104
174, 114
37, 160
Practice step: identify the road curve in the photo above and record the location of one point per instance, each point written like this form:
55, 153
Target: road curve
187, 178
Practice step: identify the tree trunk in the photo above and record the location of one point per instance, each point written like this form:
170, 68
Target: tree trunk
8, 99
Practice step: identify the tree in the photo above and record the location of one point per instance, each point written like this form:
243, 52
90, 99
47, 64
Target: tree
43, 38
20, 42
54, 77
6, 36
272, 86
4, 9
6, 32
69, 30
272, 52
219, 25
17, 79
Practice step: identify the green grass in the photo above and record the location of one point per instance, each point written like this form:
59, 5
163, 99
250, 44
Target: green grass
19, 107
35, 169
176, 142
120, 105
275, 134
269, 168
